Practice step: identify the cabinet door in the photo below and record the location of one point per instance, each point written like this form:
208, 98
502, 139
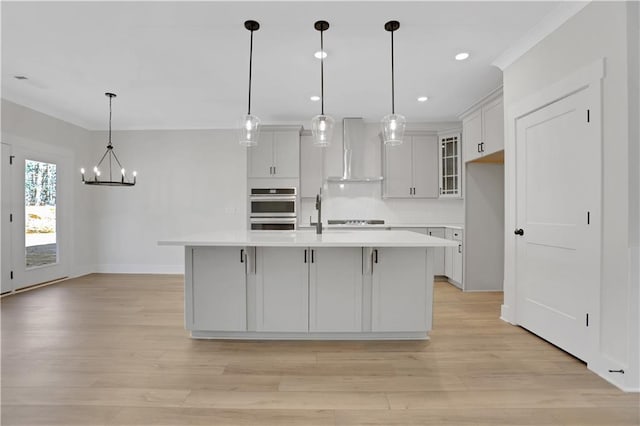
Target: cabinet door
219, 289
282, 289
425, 167
457, 265
493, 126
448, 254
335, 286
450, 172
401, 292
397, 170
311, 167
438, 252
472, 136
261, 157
286, 154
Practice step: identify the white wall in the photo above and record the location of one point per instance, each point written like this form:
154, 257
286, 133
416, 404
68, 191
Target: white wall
189, 181
364, 200
598, 31
484, 227
27, 129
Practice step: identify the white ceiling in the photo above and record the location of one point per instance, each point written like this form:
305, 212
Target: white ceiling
185, 64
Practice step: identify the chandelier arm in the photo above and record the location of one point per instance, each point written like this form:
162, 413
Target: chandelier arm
116, 157
102, 159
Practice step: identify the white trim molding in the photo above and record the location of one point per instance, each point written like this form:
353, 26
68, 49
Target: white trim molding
546, 26
587, 78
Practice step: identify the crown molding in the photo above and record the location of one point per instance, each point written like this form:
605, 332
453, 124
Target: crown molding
546, 26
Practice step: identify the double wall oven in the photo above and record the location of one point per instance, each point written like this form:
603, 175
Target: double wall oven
273, 209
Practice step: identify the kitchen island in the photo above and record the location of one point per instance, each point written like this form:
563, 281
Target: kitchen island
300, 285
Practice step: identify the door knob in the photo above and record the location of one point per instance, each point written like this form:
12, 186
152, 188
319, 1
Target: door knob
519, 231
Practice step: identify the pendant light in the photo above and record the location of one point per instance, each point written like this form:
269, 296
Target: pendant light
111, 156
322, 125
250, 128
393, 124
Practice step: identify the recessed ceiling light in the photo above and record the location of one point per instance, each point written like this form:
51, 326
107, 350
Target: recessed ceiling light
315, 98
20, 77
462, 56
422, 99
320, 54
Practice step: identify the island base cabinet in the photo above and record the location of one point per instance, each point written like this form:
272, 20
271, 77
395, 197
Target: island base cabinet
335, 286
217, 296
282, 289
402, 289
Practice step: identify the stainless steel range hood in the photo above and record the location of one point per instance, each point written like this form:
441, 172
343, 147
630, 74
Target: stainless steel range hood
360, 158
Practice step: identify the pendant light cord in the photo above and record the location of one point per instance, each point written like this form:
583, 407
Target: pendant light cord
393, 102
110, 98
250, 66
322, 71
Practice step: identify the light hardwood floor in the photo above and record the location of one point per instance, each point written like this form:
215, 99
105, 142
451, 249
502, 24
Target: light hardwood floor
112, 350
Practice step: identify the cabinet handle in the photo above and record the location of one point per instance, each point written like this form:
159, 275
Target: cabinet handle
459, 248
479, 148
313, 260
305, 255
274, 170
376, 252
241, 255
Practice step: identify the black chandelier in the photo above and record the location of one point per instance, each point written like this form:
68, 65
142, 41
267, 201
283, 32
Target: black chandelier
111, 156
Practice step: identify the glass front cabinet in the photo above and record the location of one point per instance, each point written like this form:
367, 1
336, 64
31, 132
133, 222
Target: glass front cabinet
449, 173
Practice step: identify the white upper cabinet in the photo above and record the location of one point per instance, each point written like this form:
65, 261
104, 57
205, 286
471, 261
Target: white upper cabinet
483, 130
450, 170
411, 169
311, 167
277, 153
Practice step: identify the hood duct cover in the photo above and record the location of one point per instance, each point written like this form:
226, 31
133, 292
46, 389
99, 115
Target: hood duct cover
360, 158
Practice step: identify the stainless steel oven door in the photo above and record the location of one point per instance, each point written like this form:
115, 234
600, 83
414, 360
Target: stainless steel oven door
272, 224
273, 206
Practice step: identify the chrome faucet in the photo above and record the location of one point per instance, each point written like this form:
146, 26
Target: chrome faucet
319, 208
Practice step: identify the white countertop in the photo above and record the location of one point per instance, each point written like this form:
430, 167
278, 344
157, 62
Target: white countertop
308, 238
388, 225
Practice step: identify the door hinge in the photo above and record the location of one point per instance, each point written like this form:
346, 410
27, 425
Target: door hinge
588, 218
588, 116
11, 274
11, 157
587, 321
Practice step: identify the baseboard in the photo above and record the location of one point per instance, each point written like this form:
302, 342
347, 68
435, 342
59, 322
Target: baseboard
139, 269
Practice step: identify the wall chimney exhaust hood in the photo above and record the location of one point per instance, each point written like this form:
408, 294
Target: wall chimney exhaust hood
360, 157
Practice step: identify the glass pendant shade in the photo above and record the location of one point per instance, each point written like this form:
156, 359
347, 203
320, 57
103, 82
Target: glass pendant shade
249, 130
322, 130
393, 129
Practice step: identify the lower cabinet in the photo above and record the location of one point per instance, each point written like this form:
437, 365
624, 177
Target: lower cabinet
218, 294
401, 291
438, 252
309, 289
335, 289
453, 257
230, 290
282, 289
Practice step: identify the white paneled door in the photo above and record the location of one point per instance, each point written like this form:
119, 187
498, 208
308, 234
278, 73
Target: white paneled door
558, 228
